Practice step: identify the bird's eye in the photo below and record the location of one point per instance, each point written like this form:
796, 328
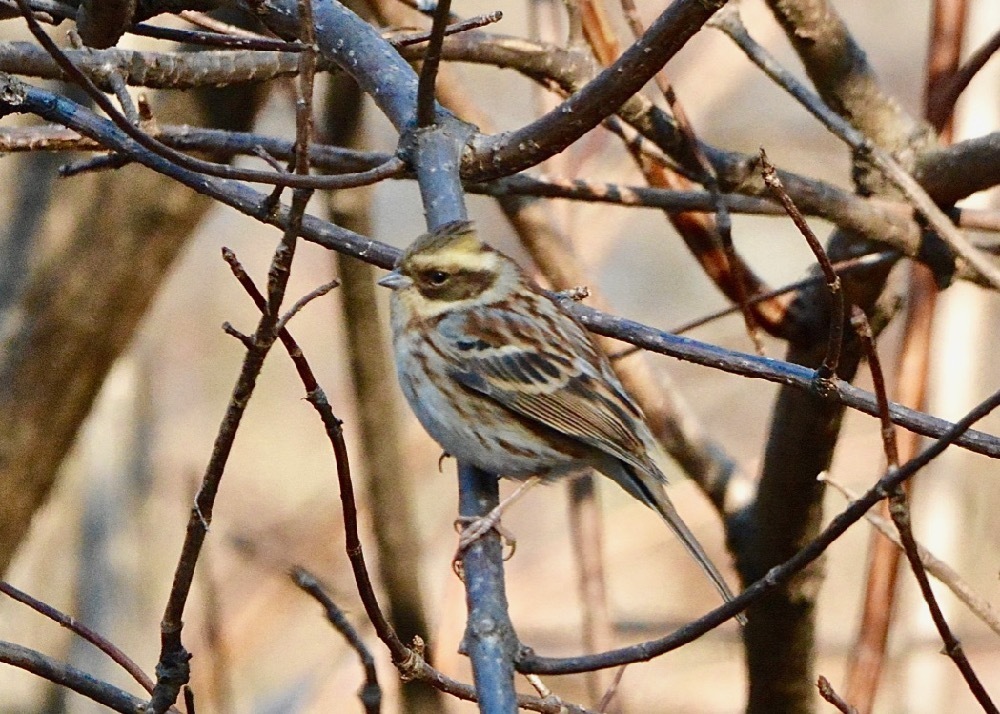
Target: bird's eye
437, 277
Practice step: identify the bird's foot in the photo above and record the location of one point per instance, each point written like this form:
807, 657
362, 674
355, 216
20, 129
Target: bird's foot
473, 528
470, 529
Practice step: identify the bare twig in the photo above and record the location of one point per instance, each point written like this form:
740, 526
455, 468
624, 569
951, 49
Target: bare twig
416, 38
829, 367
304, 128
94, 638
977, 605
370, 692
432, 59
900, 512
867, 657
207, 22
70, 677
728, 21
860, 324
947, 93
774, 578
828, 693
101, 162
117, 82
841, 267
305, 300
612, 690
723, 222
393, 167
173, 670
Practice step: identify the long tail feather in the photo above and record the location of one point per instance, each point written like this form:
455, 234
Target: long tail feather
665, 508
649, 488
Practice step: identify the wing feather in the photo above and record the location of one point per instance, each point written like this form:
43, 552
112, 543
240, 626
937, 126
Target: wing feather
539, 362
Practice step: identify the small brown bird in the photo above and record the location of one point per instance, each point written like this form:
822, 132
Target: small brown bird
503, 377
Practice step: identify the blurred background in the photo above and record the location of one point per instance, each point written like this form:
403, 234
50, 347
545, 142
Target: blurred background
105, 545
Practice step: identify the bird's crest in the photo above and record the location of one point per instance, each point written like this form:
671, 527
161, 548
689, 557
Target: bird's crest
453, 244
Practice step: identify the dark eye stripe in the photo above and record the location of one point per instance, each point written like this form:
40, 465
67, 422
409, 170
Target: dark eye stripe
464, 284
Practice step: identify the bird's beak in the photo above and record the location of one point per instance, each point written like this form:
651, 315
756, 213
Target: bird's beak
395, 281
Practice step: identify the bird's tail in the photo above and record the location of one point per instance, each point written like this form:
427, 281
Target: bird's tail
649, 488
662, 505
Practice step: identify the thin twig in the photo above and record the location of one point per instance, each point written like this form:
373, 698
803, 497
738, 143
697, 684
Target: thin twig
416, 38
828, 693
950, 90
207, 22
775, 577
94, 638
829, 367
173, 670
860, 324
102, 162
612, 690
251, 41
900, 512
426, 102
868, 656
977, 605
370, 693
842, 267
117, 82
305, 300
392, 167
723, 221
865, 150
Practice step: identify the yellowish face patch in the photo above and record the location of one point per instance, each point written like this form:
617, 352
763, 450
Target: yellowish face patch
451, 272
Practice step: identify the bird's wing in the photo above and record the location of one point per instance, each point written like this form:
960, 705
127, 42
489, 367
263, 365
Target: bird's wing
541, 364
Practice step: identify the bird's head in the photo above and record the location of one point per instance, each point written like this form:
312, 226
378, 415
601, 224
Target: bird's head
450, 269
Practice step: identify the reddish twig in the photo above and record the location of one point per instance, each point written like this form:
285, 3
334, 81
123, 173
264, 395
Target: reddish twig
900, 512
829, 367
723, 221
943, 101
828, 693
94, 638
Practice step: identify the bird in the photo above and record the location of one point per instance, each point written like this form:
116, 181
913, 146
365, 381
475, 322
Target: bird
503, 377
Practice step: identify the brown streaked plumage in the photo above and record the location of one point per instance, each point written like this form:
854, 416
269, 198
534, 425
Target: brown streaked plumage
502, 377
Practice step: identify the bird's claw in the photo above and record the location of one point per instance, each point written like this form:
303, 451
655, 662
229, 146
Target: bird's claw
472, 528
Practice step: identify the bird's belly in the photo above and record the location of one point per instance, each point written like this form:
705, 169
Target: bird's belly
484, 433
